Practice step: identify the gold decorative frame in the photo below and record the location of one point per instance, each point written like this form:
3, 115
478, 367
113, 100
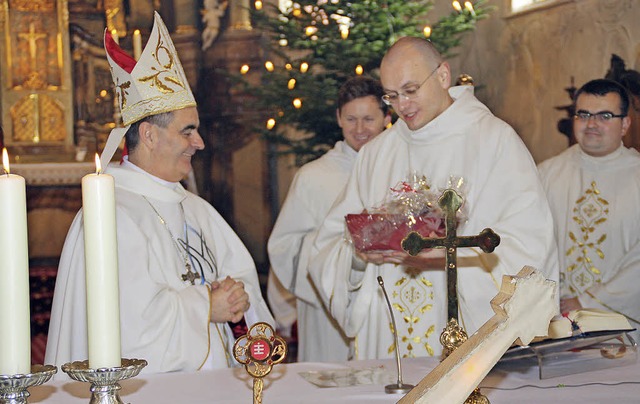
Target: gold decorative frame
35, 78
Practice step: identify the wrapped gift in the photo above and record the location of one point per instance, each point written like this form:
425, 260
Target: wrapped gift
377, 231
411, 205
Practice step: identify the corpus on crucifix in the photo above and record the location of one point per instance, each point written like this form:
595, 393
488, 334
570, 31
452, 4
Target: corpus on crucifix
32, 37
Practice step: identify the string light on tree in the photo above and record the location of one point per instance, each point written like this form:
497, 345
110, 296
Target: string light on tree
268, 65
336, 36
271, 123
244, 69
469, 6
297, 103
258, 5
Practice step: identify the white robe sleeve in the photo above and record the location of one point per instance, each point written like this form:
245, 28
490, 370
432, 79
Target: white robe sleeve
290, 240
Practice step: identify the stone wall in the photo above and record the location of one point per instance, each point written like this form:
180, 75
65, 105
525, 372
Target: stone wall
522, 63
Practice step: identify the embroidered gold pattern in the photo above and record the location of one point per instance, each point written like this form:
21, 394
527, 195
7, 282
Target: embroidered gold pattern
122, 93
413, 297
589, 212
165, 61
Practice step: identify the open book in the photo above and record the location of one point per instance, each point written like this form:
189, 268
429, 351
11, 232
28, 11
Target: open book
582, 321
579, 341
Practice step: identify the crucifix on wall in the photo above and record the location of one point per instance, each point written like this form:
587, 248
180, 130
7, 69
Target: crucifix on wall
32, 37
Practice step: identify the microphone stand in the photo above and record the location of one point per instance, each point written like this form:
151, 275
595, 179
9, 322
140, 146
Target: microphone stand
399, 387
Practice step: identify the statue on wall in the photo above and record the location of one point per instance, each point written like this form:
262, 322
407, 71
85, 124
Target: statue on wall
211, 16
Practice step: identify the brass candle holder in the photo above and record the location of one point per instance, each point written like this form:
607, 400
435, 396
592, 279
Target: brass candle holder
13, 388
104, 381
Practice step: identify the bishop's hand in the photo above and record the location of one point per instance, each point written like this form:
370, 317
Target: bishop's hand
228, 301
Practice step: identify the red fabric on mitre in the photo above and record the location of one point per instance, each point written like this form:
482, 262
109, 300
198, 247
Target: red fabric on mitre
126, 62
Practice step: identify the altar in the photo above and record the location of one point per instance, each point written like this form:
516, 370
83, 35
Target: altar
285, 384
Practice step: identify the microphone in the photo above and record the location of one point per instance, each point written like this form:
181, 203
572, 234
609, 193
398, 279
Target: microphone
399, 387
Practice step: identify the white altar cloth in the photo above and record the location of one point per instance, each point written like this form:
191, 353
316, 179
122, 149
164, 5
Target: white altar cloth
285, 385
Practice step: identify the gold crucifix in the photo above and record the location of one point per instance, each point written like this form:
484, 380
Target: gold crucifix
453, 335
450, 201
32, 37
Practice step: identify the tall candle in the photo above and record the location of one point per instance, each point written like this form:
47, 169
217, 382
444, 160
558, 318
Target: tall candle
15, 322
137, 44
101, 265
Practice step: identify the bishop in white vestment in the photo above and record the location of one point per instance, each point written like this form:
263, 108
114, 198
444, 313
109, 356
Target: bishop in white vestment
164, 319
183, 273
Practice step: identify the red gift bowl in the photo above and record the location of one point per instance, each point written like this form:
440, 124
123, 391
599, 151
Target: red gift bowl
377, 231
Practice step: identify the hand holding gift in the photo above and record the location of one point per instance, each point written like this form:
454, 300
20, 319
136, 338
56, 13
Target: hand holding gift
377, 233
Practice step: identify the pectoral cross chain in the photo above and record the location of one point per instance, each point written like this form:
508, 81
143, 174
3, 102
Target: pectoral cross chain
190, 275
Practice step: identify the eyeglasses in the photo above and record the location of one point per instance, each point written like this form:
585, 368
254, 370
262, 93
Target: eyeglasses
604, 116
409, 93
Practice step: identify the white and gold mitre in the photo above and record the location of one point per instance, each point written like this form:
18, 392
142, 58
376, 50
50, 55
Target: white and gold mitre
154, 84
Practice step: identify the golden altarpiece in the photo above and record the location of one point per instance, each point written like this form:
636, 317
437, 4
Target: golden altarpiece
36, 92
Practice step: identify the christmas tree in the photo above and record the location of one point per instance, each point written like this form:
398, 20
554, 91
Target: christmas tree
313, 46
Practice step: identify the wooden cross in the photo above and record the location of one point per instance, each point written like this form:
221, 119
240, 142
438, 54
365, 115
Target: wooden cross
450, 201
258, 350
523, 308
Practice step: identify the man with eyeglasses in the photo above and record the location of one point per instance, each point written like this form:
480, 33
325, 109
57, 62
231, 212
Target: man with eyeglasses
443, 133
593, 188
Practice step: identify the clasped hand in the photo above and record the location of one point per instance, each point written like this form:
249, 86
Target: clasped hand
426, 259
229, 301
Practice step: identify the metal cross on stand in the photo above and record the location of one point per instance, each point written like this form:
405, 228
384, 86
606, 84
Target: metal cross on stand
258, 350
450, 201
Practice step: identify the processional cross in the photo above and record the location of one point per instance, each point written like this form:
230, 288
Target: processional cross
450, 201
487, 240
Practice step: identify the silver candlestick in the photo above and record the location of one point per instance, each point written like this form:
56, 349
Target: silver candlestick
104, 381
13, 388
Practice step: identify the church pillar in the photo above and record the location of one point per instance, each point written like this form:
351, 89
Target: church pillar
239, 16
186, 37
187, 15
237, 156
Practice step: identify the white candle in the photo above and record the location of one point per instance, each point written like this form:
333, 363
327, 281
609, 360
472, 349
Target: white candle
15, 322
137, 44
101, 265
